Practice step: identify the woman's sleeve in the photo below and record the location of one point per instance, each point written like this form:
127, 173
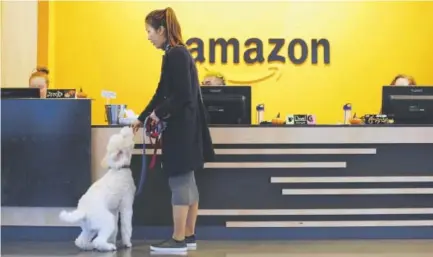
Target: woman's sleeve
151, 106
178, 69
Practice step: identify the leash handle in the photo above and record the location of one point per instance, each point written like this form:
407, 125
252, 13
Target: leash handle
154, 131
147, 133
143, 163
155, 149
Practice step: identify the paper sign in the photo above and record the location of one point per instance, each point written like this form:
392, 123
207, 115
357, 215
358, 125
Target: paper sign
61, 93
108, 94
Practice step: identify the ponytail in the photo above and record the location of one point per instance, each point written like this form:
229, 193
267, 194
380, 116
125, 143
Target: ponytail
167, 19
174, 32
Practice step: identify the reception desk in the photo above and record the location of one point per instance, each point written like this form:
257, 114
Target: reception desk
308, 182
45, 151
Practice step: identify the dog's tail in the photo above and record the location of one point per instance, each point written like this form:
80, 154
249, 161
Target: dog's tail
73, 216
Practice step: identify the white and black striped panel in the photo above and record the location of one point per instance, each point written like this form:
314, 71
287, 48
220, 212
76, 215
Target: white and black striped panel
314, 212
412, 158
240, 178
48, 217
272, 151
305, 224
212, 220
313, 217
360, 191
322, 135
358, 179
315, 135
244, 187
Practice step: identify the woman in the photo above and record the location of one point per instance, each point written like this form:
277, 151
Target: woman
403, 80
213, 78
186, 142
39, 79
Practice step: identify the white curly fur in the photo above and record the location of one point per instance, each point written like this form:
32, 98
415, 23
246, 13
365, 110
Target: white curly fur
98, 209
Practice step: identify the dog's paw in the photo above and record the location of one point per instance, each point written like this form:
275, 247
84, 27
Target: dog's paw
105, 247
127, 244
84, 245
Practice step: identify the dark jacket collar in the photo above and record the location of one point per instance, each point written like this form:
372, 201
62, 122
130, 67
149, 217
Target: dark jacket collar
167, 47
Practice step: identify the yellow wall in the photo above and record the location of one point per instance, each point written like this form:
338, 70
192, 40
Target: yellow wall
43, 26
103, 45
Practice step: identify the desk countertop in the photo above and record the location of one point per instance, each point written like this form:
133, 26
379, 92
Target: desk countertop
296, 126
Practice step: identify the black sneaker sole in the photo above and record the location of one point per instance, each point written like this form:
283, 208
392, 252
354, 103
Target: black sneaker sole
168, 250
191, 246
153, 253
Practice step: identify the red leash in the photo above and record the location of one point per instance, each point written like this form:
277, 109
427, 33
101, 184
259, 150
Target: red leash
155, 150
153, 130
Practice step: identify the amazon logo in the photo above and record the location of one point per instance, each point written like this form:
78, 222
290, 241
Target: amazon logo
254, 52
256, 77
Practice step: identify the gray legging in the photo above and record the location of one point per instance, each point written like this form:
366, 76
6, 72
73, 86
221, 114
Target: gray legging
184, 189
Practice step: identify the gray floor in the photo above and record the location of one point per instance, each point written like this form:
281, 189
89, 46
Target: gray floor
406, 248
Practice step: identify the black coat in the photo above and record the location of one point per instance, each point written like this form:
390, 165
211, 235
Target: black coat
186, 141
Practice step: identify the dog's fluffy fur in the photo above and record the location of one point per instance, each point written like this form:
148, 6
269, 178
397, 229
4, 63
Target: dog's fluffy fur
98, 209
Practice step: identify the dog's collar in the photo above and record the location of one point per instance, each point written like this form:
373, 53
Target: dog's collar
122, 167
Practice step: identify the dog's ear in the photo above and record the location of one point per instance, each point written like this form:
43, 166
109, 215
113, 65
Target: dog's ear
111, 159
116, 156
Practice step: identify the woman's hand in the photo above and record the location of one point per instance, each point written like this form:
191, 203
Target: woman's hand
154, 117
136, 125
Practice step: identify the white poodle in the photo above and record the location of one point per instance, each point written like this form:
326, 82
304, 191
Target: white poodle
98, 209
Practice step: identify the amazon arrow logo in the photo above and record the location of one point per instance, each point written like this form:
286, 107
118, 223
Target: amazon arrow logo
242, 79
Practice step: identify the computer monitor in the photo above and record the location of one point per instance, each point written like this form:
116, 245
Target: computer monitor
408, 105
227, 105
24, 92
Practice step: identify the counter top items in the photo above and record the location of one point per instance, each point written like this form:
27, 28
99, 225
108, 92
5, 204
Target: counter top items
371, 119
292, 119
113, 112
81, 94
117, 114
311, 119
301, 119
108, 95
127, 117
377, 119
278, 121
347, 109
355, 120
61, 93
260, 108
